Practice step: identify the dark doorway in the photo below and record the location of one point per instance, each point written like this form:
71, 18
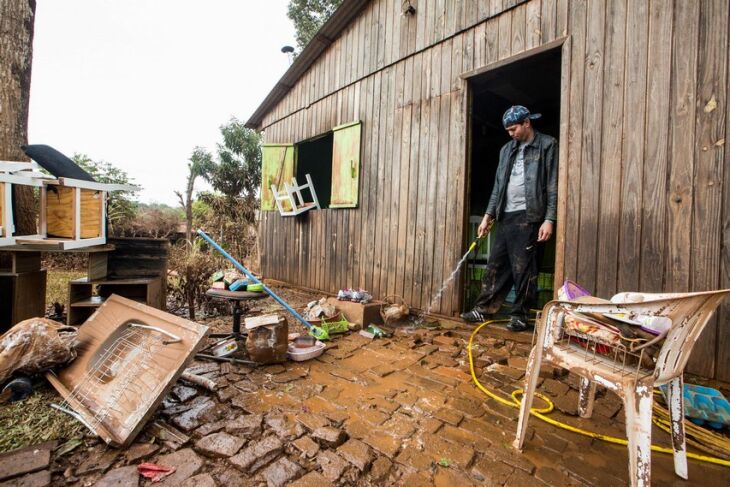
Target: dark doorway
314, 157
535, 83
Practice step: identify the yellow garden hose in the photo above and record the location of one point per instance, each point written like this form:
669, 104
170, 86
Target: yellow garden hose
541, 413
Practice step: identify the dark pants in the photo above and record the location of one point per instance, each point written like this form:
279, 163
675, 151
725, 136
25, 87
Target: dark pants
514, 259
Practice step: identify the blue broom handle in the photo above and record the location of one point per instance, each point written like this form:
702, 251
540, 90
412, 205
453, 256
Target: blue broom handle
251, 276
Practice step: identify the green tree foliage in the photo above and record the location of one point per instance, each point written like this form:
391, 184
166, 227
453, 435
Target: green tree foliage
199, 164
122, 206
308, 16
237, 171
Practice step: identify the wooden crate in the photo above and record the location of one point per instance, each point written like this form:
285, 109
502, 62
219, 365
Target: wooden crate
61, 212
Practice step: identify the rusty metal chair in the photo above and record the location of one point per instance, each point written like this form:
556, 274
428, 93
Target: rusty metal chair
621, 371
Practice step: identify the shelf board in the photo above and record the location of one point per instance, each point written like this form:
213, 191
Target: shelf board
92, 302
96, 301
123, 282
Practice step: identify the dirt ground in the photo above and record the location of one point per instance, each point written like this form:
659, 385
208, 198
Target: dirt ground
401, 410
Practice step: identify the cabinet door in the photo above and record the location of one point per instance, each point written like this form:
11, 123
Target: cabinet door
277, 167
345, 165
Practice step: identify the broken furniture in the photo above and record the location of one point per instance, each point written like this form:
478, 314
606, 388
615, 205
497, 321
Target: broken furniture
620, 370
234, 297
268, 339
129, 357
361, 314
22, 288
135, 268
72, 211
290, 201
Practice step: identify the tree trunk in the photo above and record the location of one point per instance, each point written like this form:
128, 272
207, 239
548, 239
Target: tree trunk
17, 18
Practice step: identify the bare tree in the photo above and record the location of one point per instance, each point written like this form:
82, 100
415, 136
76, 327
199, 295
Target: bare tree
17, 18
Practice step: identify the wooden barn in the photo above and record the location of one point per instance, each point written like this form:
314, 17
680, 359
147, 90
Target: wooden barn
394, 110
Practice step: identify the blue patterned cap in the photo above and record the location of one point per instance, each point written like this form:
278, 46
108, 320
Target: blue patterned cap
517, 114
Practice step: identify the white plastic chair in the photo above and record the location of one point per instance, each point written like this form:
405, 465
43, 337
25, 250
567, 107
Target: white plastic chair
291, 196
689, 313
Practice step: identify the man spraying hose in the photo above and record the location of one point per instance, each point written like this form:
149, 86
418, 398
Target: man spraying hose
524, 202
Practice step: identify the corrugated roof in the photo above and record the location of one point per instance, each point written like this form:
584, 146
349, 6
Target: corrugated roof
326, 35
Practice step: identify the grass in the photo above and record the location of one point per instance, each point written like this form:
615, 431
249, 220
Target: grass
33, 421
57, 285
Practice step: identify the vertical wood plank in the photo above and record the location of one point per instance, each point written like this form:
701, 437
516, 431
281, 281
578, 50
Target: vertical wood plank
395, 181
722, 371
591, 157
577, 21
548, 20
613, 134
504, 41
633, 147
403, 231
422, 195
709, 159
410, 276
654, 205
532, 29
518, 29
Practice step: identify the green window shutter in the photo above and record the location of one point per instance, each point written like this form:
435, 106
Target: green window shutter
345, 165
277, 167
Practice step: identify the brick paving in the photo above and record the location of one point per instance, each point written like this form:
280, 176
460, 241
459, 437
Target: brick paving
394, 411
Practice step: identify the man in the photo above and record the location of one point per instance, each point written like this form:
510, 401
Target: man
524, 202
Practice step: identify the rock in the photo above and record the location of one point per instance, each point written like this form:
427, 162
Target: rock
307, 446
37, 479
357, 453
281, 472
380, 469
98, 463
195, 416
184, 393
384, 443
312, 479
333, 466
328, 436
202, 480
283, 427
139, 451
257, 455
186, 462
246, 425
24, 460
219, 445
312, 421
209, 428
449, 415
120, 477
170, 436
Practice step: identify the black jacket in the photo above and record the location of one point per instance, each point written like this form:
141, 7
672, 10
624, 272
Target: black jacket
541, 178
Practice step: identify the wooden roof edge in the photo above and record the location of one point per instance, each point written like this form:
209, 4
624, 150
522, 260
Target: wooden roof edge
326, 35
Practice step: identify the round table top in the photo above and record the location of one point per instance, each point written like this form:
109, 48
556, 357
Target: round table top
234, 295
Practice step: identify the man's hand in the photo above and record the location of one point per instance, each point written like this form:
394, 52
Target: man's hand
545, 232
485, 225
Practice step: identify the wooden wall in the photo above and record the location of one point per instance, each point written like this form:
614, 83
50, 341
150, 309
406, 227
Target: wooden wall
643, 153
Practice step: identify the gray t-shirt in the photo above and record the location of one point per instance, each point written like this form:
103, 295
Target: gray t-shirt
516, 184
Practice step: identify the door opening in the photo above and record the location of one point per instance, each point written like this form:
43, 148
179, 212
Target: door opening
535, 83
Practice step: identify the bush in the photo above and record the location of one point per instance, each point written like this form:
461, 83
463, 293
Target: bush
192, 268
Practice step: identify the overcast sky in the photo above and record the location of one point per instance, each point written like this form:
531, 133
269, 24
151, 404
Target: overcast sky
140, 83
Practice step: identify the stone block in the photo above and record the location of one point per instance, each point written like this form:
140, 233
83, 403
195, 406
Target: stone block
120, 477
245, 425
357, 453
307, 446
220, 445
333, 466
328, 436
24, 460
186, 462
255, 456
281, 472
